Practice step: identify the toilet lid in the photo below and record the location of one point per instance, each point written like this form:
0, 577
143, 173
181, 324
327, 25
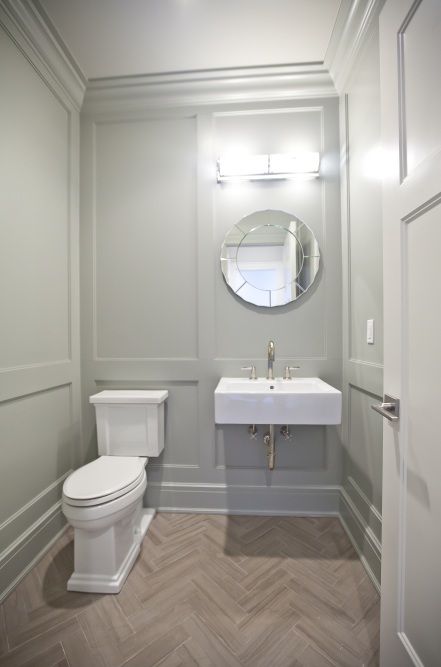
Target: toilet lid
104, 479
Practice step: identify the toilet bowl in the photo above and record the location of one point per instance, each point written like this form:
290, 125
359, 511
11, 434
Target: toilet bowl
103, 500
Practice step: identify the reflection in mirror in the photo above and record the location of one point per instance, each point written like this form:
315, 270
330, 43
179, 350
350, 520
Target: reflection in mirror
270, 258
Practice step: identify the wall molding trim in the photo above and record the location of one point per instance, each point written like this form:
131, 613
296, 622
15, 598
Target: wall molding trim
197, 87
208, 499
368, 511
18, 559
244, 499
351, 30
23, 521
363, 539
31, 29
207, 87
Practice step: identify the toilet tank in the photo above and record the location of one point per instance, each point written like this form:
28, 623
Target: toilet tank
130, 422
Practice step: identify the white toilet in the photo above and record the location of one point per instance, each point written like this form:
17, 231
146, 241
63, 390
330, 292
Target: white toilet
103, 499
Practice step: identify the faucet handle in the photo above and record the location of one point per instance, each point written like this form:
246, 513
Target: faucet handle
288, 370
252, 369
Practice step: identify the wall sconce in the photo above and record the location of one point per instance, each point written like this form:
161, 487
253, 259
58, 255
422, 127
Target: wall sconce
268, 167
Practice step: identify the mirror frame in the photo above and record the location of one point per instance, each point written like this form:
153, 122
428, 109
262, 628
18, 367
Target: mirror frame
269, 297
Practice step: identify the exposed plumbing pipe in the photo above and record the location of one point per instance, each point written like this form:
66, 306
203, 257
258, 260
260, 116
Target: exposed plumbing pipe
270, 443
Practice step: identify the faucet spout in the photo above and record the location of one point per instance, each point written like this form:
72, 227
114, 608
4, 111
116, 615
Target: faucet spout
271, 357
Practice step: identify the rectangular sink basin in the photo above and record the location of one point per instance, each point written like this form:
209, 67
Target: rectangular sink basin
262, 401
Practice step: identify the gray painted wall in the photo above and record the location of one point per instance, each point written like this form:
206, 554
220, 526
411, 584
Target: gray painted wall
362, 300
155, 309
39, 302
157, 313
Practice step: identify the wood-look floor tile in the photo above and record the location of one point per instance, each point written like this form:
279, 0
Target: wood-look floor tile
310, 657
172, 660
219, 623
265, 648
153, 653
361, 598
182, 567
205, 591
103, 619
50, 658
210, 643
157, 650
218, 571
79, 653
367, 629
186, 656
318, 634
218, 597
265, 590
3, 636
38, 645
319, 599
257, 626
191, 654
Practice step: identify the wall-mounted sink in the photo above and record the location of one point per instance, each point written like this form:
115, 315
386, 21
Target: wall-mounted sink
261, 401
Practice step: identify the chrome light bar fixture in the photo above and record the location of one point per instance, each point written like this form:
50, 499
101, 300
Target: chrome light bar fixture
299, 166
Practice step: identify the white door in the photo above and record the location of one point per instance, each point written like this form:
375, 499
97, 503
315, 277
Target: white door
410, 62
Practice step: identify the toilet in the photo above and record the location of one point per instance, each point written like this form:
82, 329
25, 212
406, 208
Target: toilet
103, 499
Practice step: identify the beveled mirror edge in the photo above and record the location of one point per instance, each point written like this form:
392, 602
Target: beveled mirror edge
267, 298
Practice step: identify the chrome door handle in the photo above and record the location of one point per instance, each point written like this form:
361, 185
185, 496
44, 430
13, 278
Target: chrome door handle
390, 408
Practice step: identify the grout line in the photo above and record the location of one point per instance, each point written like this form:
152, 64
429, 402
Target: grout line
65, 655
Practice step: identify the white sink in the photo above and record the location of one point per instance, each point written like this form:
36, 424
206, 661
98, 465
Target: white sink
261, 401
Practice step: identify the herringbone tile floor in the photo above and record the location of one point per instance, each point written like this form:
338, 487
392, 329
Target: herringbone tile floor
208, 591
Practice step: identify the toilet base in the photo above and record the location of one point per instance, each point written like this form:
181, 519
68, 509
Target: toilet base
91, 552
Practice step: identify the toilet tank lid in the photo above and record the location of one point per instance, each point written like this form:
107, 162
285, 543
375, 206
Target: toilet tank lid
137, 396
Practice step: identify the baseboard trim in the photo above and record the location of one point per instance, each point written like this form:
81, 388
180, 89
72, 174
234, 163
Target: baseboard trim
330, 500
29, 548
365, 543
361, 556
371, 516
246, 499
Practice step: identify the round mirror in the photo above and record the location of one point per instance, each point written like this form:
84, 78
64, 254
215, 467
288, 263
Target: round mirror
270, 258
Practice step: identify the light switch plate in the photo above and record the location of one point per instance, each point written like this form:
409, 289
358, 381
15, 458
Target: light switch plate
370, 332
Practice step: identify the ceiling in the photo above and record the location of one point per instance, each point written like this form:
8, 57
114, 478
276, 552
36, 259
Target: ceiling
109, 38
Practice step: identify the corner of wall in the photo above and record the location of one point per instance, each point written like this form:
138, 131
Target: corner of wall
360, 500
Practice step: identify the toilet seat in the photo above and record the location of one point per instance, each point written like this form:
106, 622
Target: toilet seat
103, 480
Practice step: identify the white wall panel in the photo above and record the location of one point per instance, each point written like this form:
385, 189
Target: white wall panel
154, 219
145, 246
37, 446
364, 447
363, 166
34, 229
39, 298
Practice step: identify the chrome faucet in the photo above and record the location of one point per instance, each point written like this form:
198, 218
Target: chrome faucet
271, 355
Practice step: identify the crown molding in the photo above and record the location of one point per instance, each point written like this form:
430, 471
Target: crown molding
28, 25
33, 30
354, 21
208, 87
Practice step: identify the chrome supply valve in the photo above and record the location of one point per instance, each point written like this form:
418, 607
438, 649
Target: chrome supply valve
288, 369
252, 431
285, 432
252, 369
